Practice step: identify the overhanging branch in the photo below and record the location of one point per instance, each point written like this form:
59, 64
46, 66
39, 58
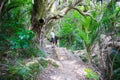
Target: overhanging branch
64, 11
84, 14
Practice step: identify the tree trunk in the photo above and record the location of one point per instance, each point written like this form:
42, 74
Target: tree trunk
2, 3
44, 15
38, 20
42, 36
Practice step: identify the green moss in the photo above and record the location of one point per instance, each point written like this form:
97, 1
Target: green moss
55, 65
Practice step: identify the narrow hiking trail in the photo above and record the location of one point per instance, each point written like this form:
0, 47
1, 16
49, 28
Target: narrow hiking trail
70, 67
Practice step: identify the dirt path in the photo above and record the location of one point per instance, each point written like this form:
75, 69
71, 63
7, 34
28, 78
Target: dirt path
70, 67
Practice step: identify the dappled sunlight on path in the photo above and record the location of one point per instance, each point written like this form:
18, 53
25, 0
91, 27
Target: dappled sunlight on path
70, 67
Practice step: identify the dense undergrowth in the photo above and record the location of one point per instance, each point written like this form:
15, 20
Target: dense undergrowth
80, 32
16, 42
76, 32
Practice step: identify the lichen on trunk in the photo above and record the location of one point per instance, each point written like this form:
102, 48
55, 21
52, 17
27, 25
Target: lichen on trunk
38, 19
38, 14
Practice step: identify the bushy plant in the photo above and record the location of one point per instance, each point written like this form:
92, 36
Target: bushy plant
25, 70
90, 74
16, 41
68, 32
14, 36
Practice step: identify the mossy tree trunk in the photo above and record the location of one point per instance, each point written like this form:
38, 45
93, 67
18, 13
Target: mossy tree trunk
38, 19
45, 14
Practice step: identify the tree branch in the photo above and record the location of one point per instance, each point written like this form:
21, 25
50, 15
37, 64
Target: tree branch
84, 14
64, 11
2, 4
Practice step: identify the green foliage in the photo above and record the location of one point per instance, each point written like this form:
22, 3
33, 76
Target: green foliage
91, 75
115, 56
77, 28
21, 39
44, 63
111, 16
69, 32
14, 20
78, 31
16, 41
25, 70
21, 70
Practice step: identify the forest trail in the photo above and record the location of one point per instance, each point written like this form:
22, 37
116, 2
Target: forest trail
70, 67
